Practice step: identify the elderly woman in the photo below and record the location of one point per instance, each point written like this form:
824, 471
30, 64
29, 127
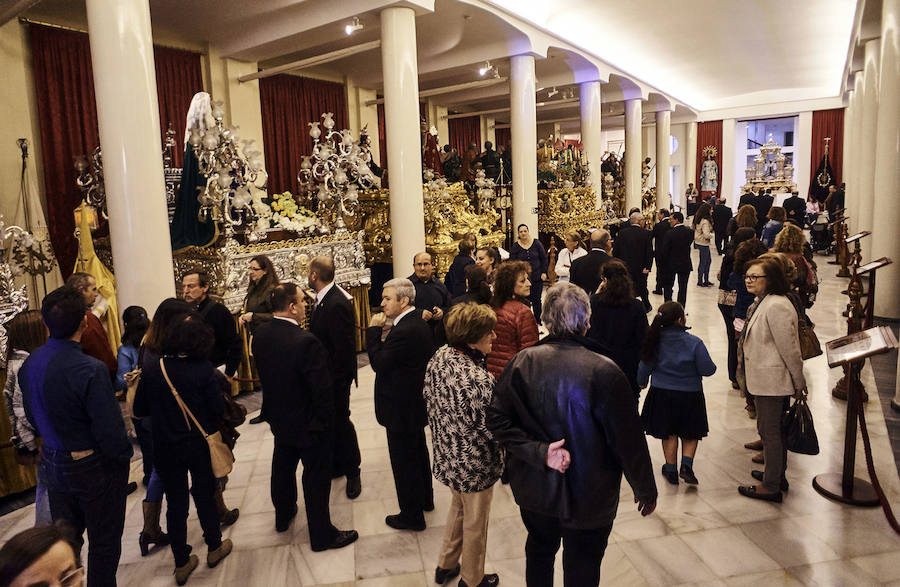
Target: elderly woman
773, 368
516, 326
568, 420
573, 251
458, 389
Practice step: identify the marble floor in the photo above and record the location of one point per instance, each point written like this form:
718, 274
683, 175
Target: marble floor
705, 535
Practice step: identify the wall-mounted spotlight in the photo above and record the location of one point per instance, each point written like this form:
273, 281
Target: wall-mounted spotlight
552, 92
354, 26
484, 69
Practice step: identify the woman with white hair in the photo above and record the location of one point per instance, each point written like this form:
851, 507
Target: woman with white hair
568, 420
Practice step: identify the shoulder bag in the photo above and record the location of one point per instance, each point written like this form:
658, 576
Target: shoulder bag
220, 455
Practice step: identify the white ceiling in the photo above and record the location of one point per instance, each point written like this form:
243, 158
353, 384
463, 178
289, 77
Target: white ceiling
706, 54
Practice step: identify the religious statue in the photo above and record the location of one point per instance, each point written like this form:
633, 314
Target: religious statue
709, 172
431, 156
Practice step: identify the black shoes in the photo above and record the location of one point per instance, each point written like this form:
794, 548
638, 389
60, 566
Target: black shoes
687, 473
441, 576
343, 538
758, 475
257, 420
354, 487
282, 523
487, 581
428, 507
751, 492
398, 522
658, 292
671, 475
131, 488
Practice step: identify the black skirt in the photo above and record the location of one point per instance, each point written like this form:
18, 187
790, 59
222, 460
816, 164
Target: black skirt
670, 412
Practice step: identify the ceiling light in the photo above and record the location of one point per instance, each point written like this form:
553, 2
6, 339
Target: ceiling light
353, 26
482, 71
552, 92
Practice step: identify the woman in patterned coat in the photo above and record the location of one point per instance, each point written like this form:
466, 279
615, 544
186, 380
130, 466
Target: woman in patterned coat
458, 389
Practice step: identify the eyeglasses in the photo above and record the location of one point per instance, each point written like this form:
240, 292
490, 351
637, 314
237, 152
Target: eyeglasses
752, 278
73, 579
252, 268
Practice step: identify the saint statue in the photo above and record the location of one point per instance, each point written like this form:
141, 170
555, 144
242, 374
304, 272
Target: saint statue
709, 174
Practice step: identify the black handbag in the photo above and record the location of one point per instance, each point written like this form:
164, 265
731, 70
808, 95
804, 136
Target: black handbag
799, 432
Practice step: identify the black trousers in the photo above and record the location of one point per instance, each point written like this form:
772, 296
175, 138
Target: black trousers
412, 472
660, 277
90, 494
316, 481
721, 238
582, 551
682, 286
173, 463
728, 317
346, 446
143, 429
640, 287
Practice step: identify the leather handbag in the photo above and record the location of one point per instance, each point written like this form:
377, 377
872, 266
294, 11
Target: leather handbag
798, 430
220, 455
809, 342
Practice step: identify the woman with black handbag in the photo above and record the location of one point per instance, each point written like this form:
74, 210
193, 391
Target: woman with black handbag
179, 447
772, 367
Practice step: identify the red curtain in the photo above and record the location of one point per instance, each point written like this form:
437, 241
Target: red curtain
828, 123
709, 134
464, 131
502, 136
178, 78
382, 138
64, 86
288, 104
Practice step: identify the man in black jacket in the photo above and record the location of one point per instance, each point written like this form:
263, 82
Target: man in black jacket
298, 405
334, 324
658, 232
565, 472
432, 297
399, 362
721, 214
762, 203
795, 208
676, 256
585, 271
633, 246
227, 350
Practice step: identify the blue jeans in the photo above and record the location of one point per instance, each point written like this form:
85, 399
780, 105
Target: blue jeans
705, 261
154, 488
41, 498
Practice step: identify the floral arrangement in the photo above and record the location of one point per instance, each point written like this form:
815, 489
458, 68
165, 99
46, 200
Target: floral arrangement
281, 211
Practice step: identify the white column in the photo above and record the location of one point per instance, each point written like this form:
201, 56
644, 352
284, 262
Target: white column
887, 164
690, 161
128, 117
849, 129
401, 115
728, 171
803, 140
868, 129
632, 154
523, 139
591, 139
663, 158
853, 191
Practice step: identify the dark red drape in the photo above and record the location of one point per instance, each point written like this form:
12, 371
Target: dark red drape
178, 78
828, 123
709, 134
288, 104
463, 132
64, 86
382, 138
502, 136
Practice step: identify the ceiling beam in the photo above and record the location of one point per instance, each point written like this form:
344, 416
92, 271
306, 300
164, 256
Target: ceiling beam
551, 105
450, 89
312, 61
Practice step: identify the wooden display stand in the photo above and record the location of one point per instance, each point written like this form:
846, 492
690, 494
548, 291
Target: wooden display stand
851, 351
841, 253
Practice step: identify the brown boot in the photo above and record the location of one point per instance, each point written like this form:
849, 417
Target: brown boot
152, 534
755, 445
758, 458
227, 517
214, 557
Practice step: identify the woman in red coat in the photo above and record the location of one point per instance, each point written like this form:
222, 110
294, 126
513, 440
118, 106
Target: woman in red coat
516, 327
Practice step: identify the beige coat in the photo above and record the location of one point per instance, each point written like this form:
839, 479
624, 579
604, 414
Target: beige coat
703, 233
773, 364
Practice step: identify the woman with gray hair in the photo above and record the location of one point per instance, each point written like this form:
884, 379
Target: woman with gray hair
568, 420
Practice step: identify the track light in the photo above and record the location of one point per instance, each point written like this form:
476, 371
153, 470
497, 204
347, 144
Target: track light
482, 71
552, 92
353, 26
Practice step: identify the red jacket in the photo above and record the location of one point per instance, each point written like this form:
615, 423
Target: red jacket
516, 329
95, 343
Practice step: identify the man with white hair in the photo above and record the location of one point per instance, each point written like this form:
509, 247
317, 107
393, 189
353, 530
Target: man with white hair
399, 362
635, 248
530, 415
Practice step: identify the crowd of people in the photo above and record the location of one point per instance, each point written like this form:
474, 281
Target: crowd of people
466, 359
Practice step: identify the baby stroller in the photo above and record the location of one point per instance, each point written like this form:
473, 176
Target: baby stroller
819, 232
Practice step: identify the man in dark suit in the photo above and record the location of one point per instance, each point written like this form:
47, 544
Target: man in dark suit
399, 363
676, 255
298, 405
795, 208
334, 324
432, 297
721, 214
658, 232
633, 246
585, 271
746, 198
763, 204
